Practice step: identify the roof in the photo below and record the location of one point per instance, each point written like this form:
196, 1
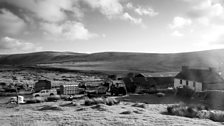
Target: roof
158, 74
117, 81
200, 75
44, 81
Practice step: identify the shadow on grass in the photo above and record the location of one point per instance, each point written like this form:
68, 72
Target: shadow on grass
152, 99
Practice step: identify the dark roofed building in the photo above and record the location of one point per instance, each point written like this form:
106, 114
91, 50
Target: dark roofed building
163, 80
199, 79
41, 85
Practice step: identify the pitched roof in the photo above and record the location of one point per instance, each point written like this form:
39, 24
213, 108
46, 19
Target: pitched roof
158, 74
200, 75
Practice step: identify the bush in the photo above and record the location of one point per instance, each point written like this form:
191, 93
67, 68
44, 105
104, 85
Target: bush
203, 114
36, 100
53, 98
111, 101
95, 101
217, 116
191, 111
196, 111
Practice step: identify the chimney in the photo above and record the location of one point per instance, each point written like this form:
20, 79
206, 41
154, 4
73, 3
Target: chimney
185, 68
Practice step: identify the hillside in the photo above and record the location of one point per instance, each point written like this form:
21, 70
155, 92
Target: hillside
118, 61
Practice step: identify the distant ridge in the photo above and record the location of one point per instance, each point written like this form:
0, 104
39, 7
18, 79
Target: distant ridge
119, 60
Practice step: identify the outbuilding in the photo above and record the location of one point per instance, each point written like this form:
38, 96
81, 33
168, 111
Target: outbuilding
41, 85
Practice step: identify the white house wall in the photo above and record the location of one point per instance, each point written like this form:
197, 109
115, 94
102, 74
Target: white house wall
177, 83
191, 85
197, 88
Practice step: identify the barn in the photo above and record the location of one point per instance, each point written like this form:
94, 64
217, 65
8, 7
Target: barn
139, 83
199, 79
163, 80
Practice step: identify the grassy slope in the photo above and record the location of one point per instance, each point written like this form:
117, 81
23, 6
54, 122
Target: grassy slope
119, 61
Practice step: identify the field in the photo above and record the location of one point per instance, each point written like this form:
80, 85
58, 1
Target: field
31, 75
133, 109
122, 114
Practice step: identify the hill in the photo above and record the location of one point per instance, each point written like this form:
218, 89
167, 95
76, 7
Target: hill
118, 61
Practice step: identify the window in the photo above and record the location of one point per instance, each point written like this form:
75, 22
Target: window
187, 83
180, 81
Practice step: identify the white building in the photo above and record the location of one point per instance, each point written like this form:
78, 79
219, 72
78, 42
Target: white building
199, 79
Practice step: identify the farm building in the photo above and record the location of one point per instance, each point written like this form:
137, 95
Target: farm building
138, 83
70, 89
57, 84
42, 84
109, 82
199, 79
116, 76
159, 80
163, 80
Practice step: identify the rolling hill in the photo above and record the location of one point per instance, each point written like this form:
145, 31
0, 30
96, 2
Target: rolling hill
118, 61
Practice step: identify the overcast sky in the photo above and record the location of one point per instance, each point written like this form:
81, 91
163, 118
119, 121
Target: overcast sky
87, 26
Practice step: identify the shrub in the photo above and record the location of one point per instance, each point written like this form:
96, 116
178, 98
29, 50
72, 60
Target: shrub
95, 101
89, 102
40, 99
217, 116
196, 111
99, 100
53, 98
203, 114
111, 101
36, 100
191, 111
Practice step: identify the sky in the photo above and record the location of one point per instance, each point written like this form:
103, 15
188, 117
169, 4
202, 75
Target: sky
89, 26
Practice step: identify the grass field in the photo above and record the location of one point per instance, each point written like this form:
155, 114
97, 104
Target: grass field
124, 114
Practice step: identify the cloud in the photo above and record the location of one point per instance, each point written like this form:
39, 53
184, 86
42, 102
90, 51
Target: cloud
126, 16
109, 8
142, 11
211, 10
70, 30
177, 34
12, 45
180, 22
48, 10
130, 5
10, 23
148, 12
207, 17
